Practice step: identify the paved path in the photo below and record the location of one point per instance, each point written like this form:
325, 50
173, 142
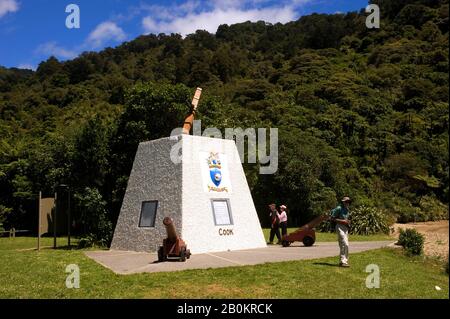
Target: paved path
128, 262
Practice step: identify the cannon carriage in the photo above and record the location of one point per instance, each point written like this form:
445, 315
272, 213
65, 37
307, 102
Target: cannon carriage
305, 234
173, 248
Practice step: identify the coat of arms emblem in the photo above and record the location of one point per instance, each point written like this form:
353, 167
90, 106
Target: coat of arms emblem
215, 168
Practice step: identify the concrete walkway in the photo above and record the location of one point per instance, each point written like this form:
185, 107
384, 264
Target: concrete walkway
129, 262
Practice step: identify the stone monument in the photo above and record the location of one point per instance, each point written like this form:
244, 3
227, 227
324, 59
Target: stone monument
197, 181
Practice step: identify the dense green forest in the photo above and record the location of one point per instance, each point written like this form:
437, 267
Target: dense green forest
361, 112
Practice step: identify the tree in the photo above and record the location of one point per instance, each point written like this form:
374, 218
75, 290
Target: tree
360, 112
49, 67
91, 154
94, 222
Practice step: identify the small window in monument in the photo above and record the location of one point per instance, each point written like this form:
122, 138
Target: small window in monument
148, 213
221, 211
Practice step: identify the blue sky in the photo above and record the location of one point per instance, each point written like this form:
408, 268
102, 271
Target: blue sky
33, 30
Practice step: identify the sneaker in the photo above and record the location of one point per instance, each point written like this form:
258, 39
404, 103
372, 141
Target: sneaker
278, 242
344, 265
269, 243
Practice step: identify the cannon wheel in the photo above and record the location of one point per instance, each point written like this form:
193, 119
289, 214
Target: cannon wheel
161, 254
308, 241
183, 254
285, 243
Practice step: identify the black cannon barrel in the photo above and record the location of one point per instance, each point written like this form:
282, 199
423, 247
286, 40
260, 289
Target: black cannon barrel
170, 228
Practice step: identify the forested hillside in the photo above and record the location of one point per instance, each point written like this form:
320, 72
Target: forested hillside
361, 112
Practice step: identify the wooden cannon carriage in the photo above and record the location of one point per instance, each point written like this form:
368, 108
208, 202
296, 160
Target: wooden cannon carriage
305, 234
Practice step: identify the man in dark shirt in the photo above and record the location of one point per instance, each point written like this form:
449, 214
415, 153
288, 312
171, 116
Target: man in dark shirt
274, 224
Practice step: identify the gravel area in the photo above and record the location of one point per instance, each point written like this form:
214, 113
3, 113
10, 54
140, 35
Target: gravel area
436, 236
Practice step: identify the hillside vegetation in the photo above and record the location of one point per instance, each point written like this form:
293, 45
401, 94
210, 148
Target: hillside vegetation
361, 112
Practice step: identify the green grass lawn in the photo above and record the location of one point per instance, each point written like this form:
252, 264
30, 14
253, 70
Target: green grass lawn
33, 274
323, 237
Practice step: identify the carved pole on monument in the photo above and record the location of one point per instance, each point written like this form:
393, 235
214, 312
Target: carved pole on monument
189, 121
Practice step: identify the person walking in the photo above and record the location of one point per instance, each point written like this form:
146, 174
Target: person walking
340, 215
283, 220
274, 224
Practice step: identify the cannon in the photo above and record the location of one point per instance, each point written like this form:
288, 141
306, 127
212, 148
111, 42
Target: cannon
305, 234
173, 248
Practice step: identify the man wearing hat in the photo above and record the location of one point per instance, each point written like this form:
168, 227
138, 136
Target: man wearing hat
340, 215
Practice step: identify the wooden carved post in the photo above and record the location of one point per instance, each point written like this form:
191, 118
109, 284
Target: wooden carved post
189, 121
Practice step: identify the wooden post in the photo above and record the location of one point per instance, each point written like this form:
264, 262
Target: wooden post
68, 217
54, 220
189, 121
39, 223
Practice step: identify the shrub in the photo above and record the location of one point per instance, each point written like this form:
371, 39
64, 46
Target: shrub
429, 209
326, 226
412, 241
368, 220
403, 209
87, 241
433, 208
94, 218
364, 220
4, 211
410, 214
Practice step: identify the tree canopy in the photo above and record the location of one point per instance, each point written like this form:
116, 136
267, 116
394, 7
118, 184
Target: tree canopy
360, 112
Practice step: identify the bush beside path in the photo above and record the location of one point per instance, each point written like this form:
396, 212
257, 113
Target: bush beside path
436, 236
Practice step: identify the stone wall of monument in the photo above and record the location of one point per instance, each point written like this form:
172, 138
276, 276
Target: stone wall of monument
153, 177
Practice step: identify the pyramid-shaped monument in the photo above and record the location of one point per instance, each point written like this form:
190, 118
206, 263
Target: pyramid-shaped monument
197, 181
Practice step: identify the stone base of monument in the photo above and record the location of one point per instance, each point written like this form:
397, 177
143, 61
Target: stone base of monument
197, 181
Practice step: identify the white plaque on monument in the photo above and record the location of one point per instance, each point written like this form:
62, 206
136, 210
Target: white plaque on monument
221, 212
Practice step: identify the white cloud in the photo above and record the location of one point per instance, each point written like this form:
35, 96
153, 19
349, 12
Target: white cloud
150, 24
210, 20
104, 32
26, 66
195, 15
51, 48
8, 6
228, 4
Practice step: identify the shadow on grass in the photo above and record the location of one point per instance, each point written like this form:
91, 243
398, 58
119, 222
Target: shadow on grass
67, 248
57, 248
326, 264
74, 247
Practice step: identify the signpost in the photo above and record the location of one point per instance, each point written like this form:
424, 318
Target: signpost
54, 220
69, 223
39, 222
68, 212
